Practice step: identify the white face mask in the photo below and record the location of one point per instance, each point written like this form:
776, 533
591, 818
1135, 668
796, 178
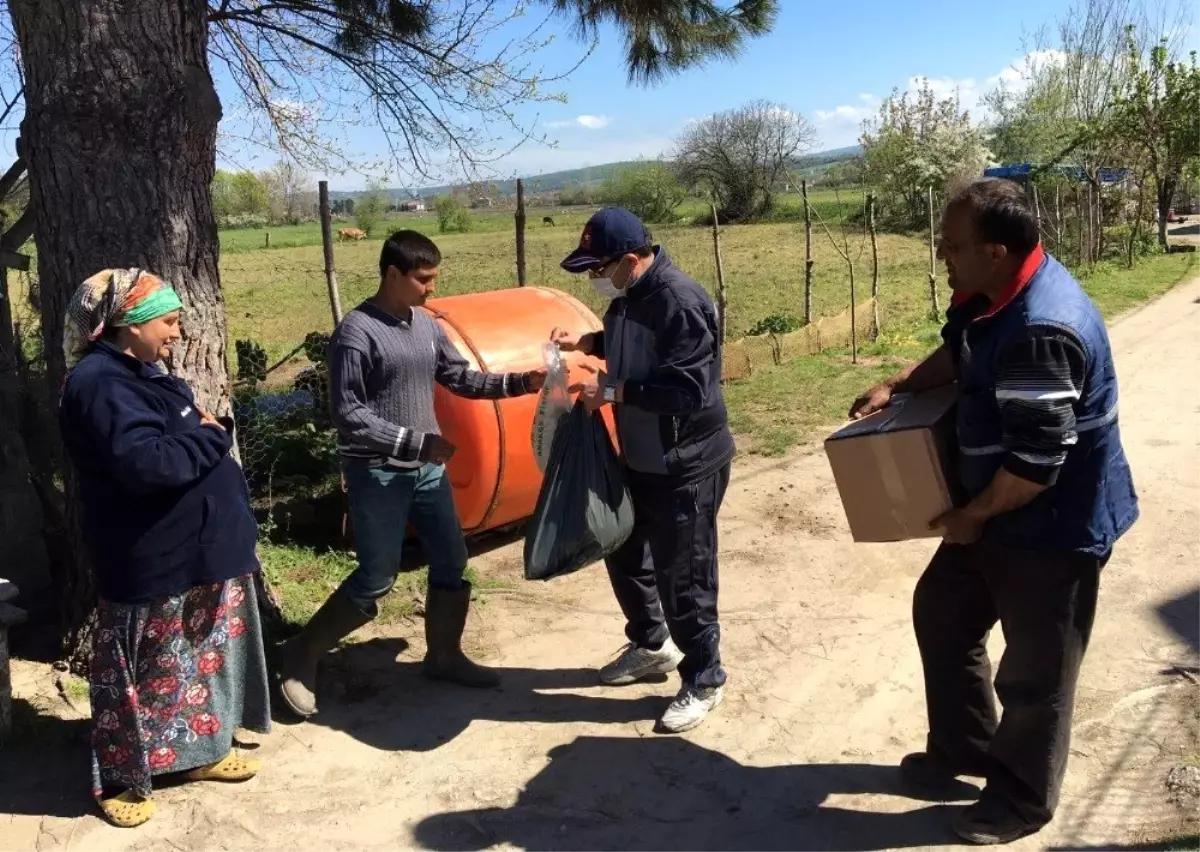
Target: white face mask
606, 288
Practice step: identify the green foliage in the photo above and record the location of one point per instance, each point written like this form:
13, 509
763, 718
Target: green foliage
251, 361
222, 194
663, 37
316, 348
917, 142
248, 194
847, 173
1033, 124
1156, 111
283, 444
650, 190
369, 210
240, 199
776, 324
452, 215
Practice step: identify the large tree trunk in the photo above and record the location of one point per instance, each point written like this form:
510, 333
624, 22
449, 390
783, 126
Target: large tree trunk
120, 135
1166, 194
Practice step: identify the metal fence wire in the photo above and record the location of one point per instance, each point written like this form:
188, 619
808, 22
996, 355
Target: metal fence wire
285, 436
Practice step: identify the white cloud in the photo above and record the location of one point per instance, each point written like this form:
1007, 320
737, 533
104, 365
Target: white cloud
593, 122
842, 124
589, 122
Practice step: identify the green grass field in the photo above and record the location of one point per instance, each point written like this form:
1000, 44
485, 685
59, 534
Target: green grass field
276, 297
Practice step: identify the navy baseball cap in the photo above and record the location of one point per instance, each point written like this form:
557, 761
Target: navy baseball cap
611, 232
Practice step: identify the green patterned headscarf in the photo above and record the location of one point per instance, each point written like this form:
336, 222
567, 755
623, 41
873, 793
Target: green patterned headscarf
113, 298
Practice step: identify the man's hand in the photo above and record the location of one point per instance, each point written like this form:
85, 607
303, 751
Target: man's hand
437, 449
592, 393
873, 400
207, 419
959, 526
568, 342
535, 380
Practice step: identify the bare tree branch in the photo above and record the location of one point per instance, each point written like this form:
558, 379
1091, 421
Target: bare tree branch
741, 155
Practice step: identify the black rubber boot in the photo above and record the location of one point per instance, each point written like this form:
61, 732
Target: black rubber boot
445, 619
337, 618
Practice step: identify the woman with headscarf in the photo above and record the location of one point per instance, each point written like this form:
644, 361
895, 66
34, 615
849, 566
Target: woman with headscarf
177, 657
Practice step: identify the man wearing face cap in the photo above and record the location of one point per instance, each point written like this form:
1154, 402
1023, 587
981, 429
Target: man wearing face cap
663, 378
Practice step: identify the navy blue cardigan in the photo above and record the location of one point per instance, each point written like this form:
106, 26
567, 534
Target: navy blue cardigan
165, 507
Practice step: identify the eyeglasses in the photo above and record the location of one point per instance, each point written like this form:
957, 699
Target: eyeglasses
598, 270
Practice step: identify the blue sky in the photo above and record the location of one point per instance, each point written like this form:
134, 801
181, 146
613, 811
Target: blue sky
831, 61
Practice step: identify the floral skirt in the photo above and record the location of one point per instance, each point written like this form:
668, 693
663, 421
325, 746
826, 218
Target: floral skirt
171, 680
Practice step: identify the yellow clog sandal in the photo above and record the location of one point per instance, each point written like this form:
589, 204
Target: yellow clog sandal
128, 809
232, 767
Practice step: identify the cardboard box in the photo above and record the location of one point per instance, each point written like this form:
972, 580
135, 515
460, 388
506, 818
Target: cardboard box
895, 469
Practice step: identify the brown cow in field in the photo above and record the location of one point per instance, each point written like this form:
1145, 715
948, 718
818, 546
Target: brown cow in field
345, 234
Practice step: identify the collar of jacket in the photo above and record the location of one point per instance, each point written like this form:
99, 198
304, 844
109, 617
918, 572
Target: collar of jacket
139, 368
1029, 267
652, 279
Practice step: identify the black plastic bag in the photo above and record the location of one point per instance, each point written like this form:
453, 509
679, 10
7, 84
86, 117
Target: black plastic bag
583, 511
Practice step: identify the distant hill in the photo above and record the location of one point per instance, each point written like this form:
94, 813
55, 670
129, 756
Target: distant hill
810, 165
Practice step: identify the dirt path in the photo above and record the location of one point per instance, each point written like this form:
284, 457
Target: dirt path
825, 693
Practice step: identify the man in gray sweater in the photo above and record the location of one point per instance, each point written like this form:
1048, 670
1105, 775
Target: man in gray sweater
384, 360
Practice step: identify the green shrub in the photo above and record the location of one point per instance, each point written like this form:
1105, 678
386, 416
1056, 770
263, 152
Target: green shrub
452, 216
650, 190
369, 210
776, 324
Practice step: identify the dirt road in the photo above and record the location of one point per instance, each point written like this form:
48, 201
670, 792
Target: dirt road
825, 693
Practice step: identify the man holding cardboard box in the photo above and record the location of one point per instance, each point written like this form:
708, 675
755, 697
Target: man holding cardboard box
1048, 492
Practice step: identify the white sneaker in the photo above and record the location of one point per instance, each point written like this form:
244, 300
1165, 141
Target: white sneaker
636, 663
690, 707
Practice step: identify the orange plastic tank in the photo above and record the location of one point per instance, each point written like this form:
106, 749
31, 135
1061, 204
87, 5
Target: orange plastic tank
493, 472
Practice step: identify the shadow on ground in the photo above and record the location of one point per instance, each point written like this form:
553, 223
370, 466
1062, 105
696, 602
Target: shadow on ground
364, 692
44, 766
1182, 616
668, 793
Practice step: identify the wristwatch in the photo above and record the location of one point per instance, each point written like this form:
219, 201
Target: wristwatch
610, 393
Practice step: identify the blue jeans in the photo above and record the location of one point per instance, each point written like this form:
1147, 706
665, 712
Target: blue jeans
383, 501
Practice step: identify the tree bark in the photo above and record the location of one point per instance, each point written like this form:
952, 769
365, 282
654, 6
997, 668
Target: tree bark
120, 135
1166, 194
1135, 230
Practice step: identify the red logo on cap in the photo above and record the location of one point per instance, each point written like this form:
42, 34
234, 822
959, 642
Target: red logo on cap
585, 241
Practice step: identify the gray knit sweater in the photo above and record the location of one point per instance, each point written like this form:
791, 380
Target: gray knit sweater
382, 370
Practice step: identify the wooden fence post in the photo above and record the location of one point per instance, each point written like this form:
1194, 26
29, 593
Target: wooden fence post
874, 260
808, 258
519, 218
722, 304
335, 301
933, 293
267, 241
